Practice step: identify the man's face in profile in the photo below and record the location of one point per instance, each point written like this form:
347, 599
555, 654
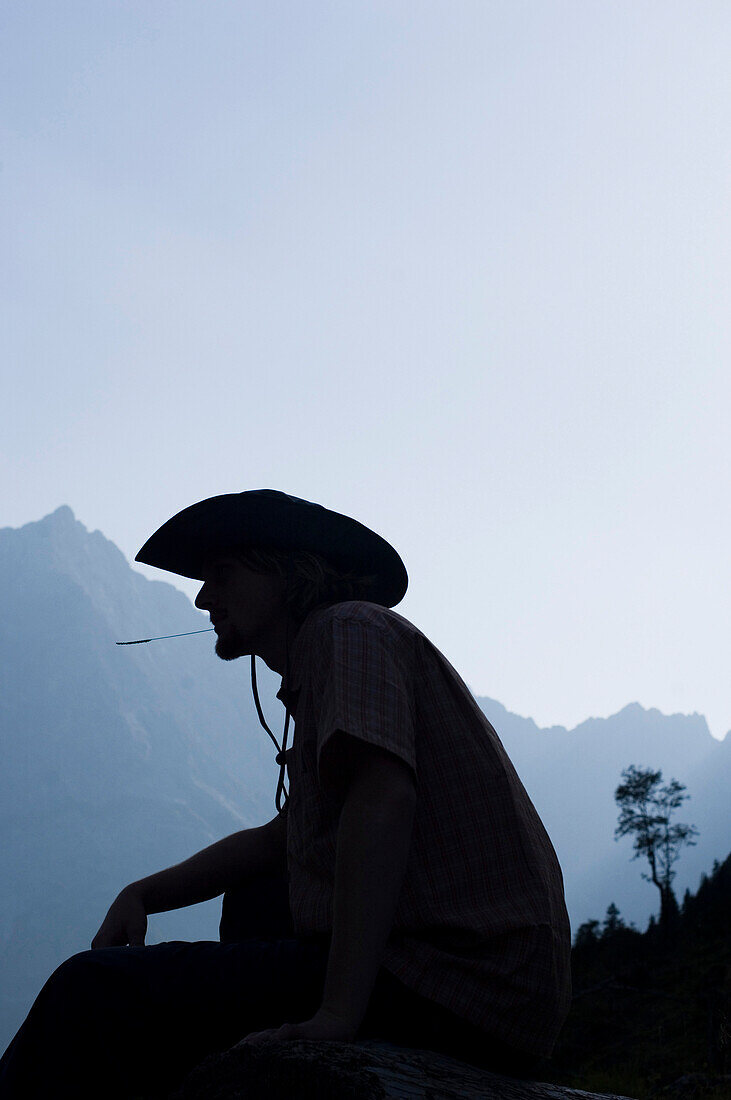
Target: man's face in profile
245, 608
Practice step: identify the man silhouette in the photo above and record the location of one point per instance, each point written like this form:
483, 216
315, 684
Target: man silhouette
406, 889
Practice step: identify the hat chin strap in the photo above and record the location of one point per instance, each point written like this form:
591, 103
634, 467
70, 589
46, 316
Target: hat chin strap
281, 807
280, 758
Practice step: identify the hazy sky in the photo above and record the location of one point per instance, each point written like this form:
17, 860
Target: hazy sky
459, 270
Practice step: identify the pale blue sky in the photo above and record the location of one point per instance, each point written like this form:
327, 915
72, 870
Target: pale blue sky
460, 270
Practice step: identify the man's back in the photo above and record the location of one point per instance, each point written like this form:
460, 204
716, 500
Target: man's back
481, 924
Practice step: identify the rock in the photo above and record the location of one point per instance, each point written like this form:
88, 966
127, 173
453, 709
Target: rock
694, 1084
368, 1069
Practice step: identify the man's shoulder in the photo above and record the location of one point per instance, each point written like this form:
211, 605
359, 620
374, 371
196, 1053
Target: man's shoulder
367, 613
360, 623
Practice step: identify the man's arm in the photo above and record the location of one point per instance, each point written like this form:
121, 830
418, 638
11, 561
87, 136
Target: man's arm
205, 875
221, 866
374, 837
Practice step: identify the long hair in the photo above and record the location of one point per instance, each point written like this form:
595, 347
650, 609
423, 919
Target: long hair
313, 582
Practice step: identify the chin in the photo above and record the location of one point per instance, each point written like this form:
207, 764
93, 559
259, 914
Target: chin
230, 646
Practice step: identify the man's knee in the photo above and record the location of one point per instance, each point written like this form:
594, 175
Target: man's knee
89, 970
74, 968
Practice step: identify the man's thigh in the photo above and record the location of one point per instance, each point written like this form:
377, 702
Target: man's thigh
204, 996
248, 982
131, 1015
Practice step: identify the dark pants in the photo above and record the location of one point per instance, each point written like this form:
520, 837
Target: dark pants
124, 1021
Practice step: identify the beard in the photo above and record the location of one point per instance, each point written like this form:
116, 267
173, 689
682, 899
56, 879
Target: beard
231, 645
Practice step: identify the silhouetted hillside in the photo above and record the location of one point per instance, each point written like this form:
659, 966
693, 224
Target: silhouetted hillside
650, 1009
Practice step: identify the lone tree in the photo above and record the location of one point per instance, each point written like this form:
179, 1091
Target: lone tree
645, 810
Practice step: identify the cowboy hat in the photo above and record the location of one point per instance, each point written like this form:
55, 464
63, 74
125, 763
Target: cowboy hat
275, 520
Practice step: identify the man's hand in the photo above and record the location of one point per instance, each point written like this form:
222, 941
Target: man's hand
125, 923
324, 1025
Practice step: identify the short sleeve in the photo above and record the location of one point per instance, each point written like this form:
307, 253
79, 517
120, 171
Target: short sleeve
365, 686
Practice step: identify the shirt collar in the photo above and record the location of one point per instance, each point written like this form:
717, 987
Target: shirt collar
298, 650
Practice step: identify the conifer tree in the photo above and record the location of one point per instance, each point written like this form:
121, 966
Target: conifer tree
612, 921
586, 934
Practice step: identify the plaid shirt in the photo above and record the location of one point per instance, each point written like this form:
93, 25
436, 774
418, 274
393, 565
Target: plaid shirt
481, 925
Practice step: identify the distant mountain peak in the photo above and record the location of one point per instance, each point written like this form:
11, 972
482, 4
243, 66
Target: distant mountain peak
62, 521
63, 515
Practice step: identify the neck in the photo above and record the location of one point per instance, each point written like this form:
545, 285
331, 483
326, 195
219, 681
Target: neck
274, 649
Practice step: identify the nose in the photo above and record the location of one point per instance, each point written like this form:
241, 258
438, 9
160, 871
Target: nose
202, 600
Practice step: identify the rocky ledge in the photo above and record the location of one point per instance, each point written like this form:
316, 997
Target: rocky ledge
364, 1070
